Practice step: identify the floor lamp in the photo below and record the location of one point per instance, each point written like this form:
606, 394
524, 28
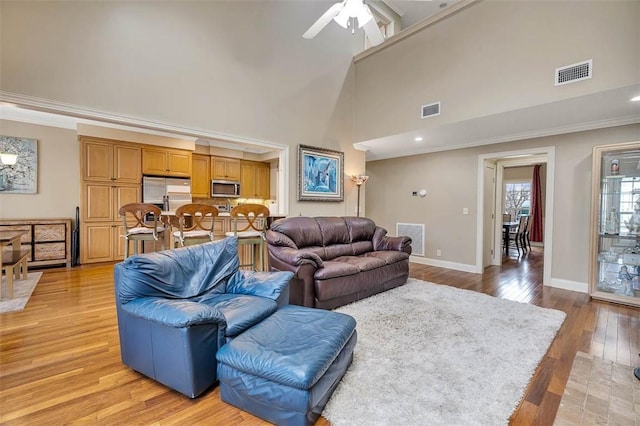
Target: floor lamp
359, 180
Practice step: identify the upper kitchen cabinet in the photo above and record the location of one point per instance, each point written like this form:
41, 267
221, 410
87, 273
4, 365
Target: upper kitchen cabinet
223, 168
166, 162
107, 161
200, 180
254, 180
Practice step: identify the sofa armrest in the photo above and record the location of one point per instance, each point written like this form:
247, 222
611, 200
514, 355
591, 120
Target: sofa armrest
295, 257
265, 284
174, 313
382, 242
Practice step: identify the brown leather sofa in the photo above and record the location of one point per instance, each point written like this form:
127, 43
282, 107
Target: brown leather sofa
336, 260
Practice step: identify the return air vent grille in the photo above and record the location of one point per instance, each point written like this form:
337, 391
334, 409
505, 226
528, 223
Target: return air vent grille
430, 110
416, 232
573, 73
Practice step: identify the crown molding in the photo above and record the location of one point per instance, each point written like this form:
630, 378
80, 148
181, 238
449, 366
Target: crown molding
415, 28
540, 133
115, 120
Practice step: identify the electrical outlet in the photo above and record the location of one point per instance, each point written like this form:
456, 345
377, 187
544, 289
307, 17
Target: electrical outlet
465, 211
438, 252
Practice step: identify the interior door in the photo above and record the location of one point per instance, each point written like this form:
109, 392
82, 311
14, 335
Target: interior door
489, 214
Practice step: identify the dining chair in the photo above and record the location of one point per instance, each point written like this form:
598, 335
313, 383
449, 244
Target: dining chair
249, 226
525, 237
506, 218
517, 235
141, 222
195, 224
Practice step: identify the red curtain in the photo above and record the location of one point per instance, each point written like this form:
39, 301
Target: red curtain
536, 206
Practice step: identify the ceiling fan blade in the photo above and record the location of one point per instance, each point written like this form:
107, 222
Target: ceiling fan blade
372, 31
322, 22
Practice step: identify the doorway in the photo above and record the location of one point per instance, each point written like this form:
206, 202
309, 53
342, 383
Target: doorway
487, 214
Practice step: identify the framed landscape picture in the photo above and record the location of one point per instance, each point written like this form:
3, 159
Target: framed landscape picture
320, 174
18, 165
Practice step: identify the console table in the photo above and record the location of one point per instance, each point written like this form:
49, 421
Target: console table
47, 240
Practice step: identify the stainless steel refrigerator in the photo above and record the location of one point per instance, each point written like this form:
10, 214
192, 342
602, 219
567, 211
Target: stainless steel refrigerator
166, 193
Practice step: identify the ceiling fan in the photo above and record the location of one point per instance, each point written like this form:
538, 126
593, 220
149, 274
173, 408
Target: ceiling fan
345, 13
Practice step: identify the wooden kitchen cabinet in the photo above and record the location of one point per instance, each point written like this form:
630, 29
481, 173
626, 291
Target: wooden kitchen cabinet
201, 176
223, 168
104, 242
112, 176
166, 162
103, 200
101, 228
106, 161
254, 180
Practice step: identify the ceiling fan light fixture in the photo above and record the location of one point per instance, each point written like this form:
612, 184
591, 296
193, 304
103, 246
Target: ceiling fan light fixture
343, 18
353, 9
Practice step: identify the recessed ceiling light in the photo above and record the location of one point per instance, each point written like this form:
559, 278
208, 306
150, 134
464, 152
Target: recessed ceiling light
418, 139
635, 99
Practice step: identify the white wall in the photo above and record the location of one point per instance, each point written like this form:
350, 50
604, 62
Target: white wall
58, 174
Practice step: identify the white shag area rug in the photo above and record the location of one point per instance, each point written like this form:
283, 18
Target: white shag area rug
430, 354
22, 290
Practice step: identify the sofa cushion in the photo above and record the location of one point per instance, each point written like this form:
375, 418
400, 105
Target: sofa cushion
360, 228
303, 231
337, 250
361, 247
334, 231
389, 257
335, 269
363, 263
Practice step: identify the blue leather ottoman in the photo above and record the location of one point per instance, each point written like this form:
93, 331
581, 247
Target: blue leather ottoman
285, 368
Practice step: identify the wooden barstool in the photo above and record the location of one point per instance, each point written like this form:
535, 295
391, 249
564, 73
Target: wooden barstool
141, 230
199, 230
251, 233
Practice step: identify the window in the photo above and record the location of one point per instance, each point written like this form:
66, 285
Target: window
517, 199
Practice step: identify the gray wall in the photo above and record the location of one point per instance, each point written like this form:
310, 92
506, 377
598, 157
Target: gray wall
450, 179
226, 67
496, 56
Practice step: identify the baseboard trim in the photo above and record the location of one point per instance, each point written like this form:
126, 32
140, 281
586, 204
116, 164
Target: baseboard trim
443, 264
568, 285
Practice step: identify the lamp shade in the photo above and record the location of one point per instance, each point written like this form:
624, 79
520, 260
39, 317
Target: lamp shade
8, 159
359, 179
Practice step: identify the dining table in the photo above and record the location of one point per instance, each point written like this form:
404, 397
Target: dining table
11, 238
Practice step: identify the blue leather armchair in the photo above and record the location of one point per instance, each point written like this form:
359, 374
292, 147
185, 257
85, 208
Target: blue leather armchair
176, 308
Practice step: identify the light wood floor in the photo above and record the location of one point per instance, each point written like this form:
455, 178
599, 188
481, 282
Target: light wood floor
60, 360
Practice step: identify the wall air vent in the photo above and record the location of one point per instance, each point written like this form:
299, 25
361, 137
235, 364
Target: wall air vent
573, 73
430, 110
416, 232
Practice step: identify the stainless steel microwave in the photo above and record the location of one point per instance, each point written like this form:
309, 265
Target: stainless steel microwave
225, 189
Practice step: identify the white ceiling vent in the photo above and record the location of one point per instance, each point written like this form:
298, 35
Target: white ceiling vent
573, 73
430, 110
